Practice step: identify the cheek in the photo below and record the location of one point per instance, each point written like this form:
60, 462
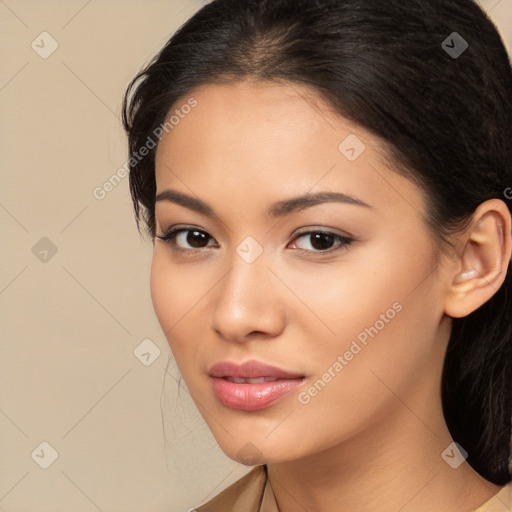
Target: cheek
347, 298
161, 296
382, 313
383, 364
171, 294
178, 295
174, 291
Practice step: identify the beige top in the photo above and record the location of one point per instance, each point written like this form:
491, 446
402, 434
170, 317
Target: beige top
252, 493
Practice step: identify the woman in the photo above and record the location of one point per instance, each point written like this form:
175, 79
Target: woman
327, 187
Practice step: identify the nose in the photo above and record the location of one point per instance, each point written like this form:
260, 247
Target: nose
248, 303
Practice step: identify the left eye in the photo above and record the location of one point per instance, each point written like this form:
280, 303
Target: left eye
320, 241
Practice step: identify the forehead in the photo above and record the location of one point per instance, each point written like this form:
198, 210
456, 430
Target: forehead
274, 139
252, 111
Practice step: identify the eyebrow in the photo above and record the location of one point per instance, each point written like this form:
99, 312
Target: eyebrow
277, 209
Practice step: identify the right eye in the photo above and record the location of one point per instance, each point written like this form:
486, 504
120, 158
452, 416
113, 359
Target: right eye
178, 238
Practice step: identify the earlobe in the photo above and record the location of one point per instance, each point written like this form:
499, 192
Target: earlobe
480, 269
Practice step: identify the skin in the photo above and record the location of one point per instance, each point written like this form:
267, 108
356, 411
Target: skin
372, 438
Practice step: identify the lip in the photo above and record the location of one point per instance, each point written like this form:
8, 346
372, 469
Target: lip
250, 370
252, 396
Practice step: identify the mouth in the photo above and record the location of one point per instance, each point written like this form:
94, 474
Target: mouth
251, 370
252, 385
256, 380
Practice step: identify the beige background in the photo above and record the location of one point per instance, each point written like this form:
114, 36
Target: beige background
70, 321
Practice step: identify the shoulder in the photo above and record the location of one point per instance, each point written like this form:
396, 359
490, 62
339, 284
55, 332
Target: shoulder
244, 495
500, 502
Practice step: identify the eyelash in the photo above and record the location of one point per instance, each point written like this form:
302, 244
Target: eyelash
171, 234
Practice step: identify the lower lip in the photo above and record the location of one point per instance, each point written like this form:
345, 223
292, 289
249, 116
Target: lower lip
252, 397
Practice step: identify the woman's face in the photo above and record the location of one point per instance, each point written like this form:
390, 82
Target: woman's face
357, 313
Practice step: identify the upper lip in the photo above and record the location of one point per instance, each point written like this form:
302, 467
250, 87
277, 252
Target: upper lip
250, 370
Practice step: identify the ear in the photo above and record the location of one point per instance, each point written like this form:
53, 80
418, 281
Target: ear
480, 269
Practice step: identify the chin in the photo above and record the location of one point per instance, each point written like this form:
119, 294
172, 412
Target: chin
252, 452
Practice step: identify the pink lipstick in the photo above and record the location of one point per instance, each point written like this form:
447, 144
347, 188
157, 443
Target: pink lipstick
252, 385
